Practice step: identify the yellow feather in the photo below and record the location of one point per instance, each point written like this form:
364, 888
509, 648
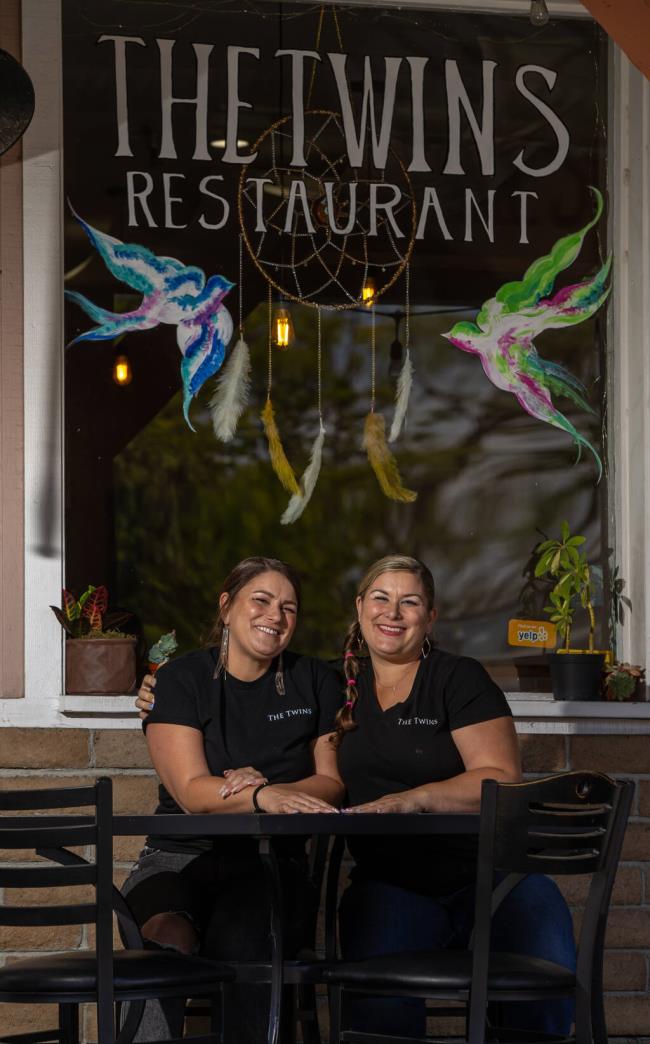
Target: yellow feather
279, 462
382, 460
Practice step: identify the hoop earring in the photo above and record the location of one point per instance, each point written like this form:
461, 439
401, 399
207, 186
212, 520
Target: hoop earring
427, 650
223, 651
279, 678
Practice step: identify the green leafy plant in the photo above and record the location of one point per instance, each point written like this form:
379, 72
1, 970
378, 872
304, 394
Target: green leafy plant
87, 616
163, 649
563, 562
622, 680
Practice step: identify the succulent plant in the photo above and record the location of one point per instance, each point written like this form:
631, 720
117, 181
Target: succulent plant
163, 649
622, 680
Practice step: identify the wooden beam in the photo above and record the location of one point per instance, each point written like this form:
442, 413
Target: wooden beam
628, 24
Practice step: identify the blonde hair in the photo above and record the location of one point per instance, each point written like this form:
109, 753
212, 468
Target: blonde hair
354, 639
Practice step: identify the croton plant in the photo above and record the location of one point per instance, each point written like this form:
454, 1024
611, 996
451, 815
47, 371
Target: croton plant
87, 616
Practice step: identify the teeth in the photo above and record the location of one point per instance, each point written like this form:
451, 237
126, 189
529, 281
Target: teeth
268, 630
391, 630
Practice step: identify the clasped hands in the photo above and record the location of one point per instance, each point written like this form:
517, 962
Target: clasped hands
278, 797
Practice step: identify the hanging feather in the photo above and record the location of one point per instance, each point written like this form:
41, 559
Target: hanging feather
404, 383
279, 462
382, 460
299, 500
231, 394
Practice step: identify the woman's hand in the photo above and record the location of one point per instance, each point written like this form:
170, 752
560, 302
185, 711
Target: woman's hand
281, 798
239, 779
145, 699
406, 802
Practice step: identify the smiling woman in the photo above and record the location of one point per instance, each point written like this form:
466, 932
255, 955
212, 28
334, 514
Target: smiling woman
420, 731
242, 725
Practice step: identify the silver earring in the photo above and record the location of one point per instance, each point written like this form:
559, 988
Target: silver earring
279, 678
426, 647
223, 652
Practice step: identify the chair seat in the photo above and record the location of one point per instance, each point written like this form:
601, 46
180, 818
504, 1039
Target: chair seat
448, 970
133, 970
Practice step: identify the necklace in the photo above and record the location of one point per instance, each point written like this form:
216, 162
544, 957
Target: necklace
393, 688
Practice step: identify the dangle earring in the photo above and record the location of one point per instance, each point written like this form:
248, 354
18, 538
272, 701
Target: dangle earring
360, 641
426, 647
223, 651
279, 677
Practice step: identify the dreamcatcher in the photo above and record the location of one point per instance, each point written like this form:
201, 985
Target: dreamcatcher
331, 237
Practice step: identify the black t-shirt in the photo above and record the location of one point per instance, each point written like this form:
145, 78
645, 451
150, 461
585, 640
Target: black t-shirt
246, 723
407, 746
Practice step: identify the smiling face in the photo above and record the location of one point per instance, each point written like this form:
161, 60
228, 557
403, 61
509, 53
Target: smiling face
261, 618
395, 616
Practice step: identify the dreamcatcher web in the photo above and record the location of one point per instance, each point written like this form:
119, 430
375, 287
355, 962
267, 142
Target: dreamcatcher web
326, 230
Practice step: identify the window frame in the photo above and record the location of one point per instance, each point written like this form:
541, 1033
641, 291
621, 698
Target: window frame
629, 369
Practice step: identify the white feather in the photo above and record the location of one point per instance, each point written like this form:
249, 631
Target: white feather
231, 394
404, 383
299, 501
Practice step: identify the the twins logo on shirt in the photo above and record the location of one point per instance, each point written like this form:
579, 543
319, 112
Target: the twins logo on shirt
417, 721
290, 713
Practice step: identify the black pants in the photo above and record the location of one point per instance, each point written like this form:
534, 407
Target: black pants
227, 896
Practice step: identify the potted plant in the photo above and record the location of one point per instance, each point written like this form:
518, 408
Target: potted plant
624, 681
162, 651
576, 673
99, 659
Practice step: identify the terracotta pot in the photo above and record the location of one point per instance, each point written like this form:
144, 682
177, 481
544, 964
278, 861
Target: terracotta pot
105, 666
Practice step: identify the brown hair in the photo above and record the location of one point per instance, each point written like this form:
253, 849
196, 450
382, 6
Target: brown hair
243, 573
354, 639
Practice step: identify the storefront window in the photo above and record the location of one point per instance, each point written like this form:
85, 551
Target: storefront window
490, 152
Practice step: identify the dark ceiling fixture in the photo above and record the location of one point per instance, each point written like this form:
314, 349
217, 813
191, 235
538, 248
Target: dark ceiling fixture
16, 101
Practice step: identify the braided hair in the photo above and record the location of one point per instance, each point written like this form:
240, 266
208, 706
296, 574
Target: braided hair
353, 642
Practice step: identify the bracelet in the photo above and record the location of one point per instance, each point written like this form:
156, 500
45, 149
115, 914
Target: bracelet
256, 806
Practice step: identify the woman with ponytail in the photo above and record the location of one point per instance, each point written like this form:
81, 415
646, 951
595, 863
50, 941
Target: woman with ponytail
241, 725
419, 731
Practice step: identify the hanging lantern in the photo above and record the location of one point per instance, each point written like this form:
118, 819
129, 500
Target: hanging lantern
368, 292
122, 374
282, 328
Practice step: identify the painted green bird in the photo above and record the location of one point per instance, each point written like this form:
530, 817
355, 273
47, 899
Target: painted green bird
505, 328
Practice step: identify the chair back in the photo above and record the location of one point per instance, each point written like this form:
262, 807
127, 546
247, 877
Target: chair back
565, 824
45, 833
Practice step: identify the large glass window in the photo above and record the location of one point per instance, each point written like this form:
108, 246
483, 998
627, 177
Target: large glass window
497, 132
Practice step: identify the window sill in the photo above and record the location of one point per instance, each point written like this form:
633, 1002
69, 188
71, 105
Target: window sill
533, 714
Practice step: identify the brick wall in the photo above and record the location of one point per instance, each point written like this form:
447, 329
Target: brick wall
42, 757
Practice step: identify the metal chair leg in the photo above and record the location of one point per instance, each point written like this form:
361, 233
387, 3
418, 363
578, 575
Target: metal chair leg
335, 1000
69, 1023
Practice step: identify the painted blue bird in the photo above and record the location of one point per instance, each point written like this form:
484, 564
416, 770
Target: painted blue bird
172, 293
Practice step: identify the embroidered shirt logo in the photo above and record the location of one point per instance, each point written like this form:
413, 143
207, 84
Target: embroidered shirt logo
417, 721
292, 712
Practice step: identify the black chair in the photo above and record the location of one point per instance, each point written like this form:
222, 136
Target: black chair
100, 976
572, 823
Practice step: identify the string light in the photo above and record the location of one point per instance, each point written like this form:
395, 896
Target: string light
122, 374
282, 328
368, 292
538, 13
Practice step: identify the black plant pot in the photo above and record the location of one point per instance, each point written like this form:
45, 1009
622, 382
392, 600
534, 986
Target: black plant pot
576, 676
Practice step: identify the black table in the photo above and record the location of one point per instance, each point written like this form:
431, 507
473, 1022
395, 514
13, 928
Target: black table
265, 827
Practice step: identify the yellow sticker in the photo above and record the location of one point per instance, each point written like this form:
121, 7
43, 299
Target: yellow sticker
538, 634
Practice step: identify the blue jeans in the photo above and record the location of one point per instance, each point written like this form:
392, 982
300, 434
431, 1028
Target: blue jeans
378, 918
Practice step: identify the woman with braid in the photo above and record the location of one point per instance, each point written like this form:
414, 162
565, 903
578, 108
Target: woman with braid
419, 731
